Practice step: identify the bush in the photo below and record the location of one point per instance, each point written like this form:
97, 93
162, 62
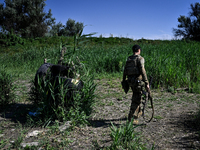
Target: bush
6, 87
55, 99
10, 39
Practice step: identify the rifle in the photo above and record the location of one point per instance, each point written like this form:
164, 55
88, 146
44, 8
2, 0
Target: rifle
148, 98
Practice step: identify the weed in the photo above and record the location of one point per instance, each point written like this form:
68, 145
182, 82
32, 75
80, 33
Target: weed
171, 89
54, 128
96, 144
18, 141
110, 103
3, 143
6, 88
30, 147
158, 117
125, 137
59, 99
169, 105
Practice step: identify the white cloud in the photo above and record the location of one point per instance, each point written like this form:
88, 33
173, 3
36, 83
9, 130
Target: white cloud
152, 37
160, 37
115, 35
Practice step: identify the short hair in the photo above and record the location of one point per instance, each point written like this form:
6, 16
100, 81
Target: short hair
135, 48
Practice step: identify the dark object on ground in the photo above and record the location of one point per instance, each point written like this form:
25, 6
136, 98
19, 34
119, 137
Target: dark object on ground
61, 70
42, 72
60, 77
70, 86
53, 70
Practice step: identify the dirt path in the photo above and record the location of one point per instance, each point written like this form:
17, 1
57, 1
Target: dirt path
173, 127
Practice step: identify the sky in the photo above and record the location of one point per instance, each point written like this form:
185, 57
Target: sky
136, 19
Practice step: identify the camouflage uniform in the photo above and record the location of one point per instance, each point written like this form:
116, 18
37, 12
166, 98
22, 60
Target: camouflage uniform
137, 80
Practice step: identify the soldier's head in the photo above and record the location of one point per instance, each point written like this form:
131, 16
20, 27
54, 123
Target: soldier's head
136, 48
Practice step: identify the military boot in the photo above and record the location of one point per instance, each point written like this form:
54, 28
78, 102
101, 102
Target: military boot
135, 122
140, 114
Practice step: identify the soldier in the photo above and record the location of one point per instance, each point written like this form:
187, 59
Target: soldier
137, 80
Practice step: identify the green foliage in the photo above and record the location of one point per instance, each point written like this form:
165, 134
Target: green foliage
18, 141
6, 87
109, 41
71, 28
189, 27
30, 59
25, 18
125, 137
175, 64
104, 59
53, 104
10, 39
171, 63
3, 143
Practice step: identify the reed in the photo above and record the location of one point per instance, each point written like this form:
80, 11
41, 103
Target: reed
171, 63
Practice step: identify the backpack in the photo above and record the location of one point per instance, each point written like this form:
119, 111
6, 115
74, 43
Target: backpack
131, 67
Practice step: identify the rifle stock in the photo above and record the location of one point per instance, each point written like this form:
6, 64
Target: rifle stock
148, 97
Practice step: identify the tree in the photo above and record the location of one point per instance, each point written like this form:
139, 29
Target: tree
25, 17
73, 28
58, 29
189, 27
70, 29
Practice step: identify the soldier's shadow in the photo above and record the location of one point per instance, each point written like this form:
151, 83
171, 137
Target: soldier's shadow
16, 112
107, 122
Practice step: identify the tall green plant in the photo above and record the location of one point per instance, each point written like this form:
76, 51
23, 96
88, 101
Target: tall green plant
54, 103
6, 87
125, 137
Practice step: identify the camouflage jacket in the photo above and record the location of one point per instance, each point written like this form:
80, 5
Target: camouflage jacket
135, 67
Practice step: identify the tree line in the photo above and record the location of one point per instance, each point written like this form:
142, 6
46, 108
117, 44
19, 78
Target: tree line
189, 26
27, 19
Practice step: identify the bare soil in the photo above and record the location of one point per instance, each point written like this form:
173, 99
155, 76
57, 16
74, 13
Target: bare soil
175, 124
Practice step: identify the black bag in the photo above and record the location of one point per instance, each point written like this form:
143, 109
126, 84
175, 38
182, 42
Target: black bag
125, 86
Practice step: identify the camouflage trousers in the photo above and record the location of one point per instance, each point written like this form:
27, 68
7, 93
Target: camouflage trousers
135, 108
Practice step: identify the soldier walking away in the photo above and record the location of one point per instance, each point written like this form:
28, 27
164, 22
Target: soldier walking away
137, 79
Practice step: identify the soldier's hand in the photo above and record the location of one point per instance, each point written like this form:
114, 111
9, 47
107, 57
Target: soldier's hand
147, 88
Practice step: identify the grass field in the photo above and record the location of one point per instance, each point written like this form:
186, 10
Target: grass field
174, 66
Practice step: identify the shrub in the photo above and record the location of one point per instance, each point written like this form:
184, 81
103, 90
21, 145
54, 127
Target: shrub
6, 87
10, 39
56, 99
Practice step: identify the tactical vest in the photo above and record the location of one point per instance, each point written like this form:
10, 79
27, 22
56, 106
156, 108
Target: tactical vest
134, 75
132, 68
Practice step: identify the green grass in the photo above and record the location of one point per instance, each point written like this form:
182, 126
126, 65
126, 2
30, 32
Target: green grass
125, 137
171, 63
158, 117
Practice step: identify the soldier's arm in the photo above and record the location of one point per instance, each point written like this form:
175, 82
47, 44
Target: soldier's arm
124, 73
143, 72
